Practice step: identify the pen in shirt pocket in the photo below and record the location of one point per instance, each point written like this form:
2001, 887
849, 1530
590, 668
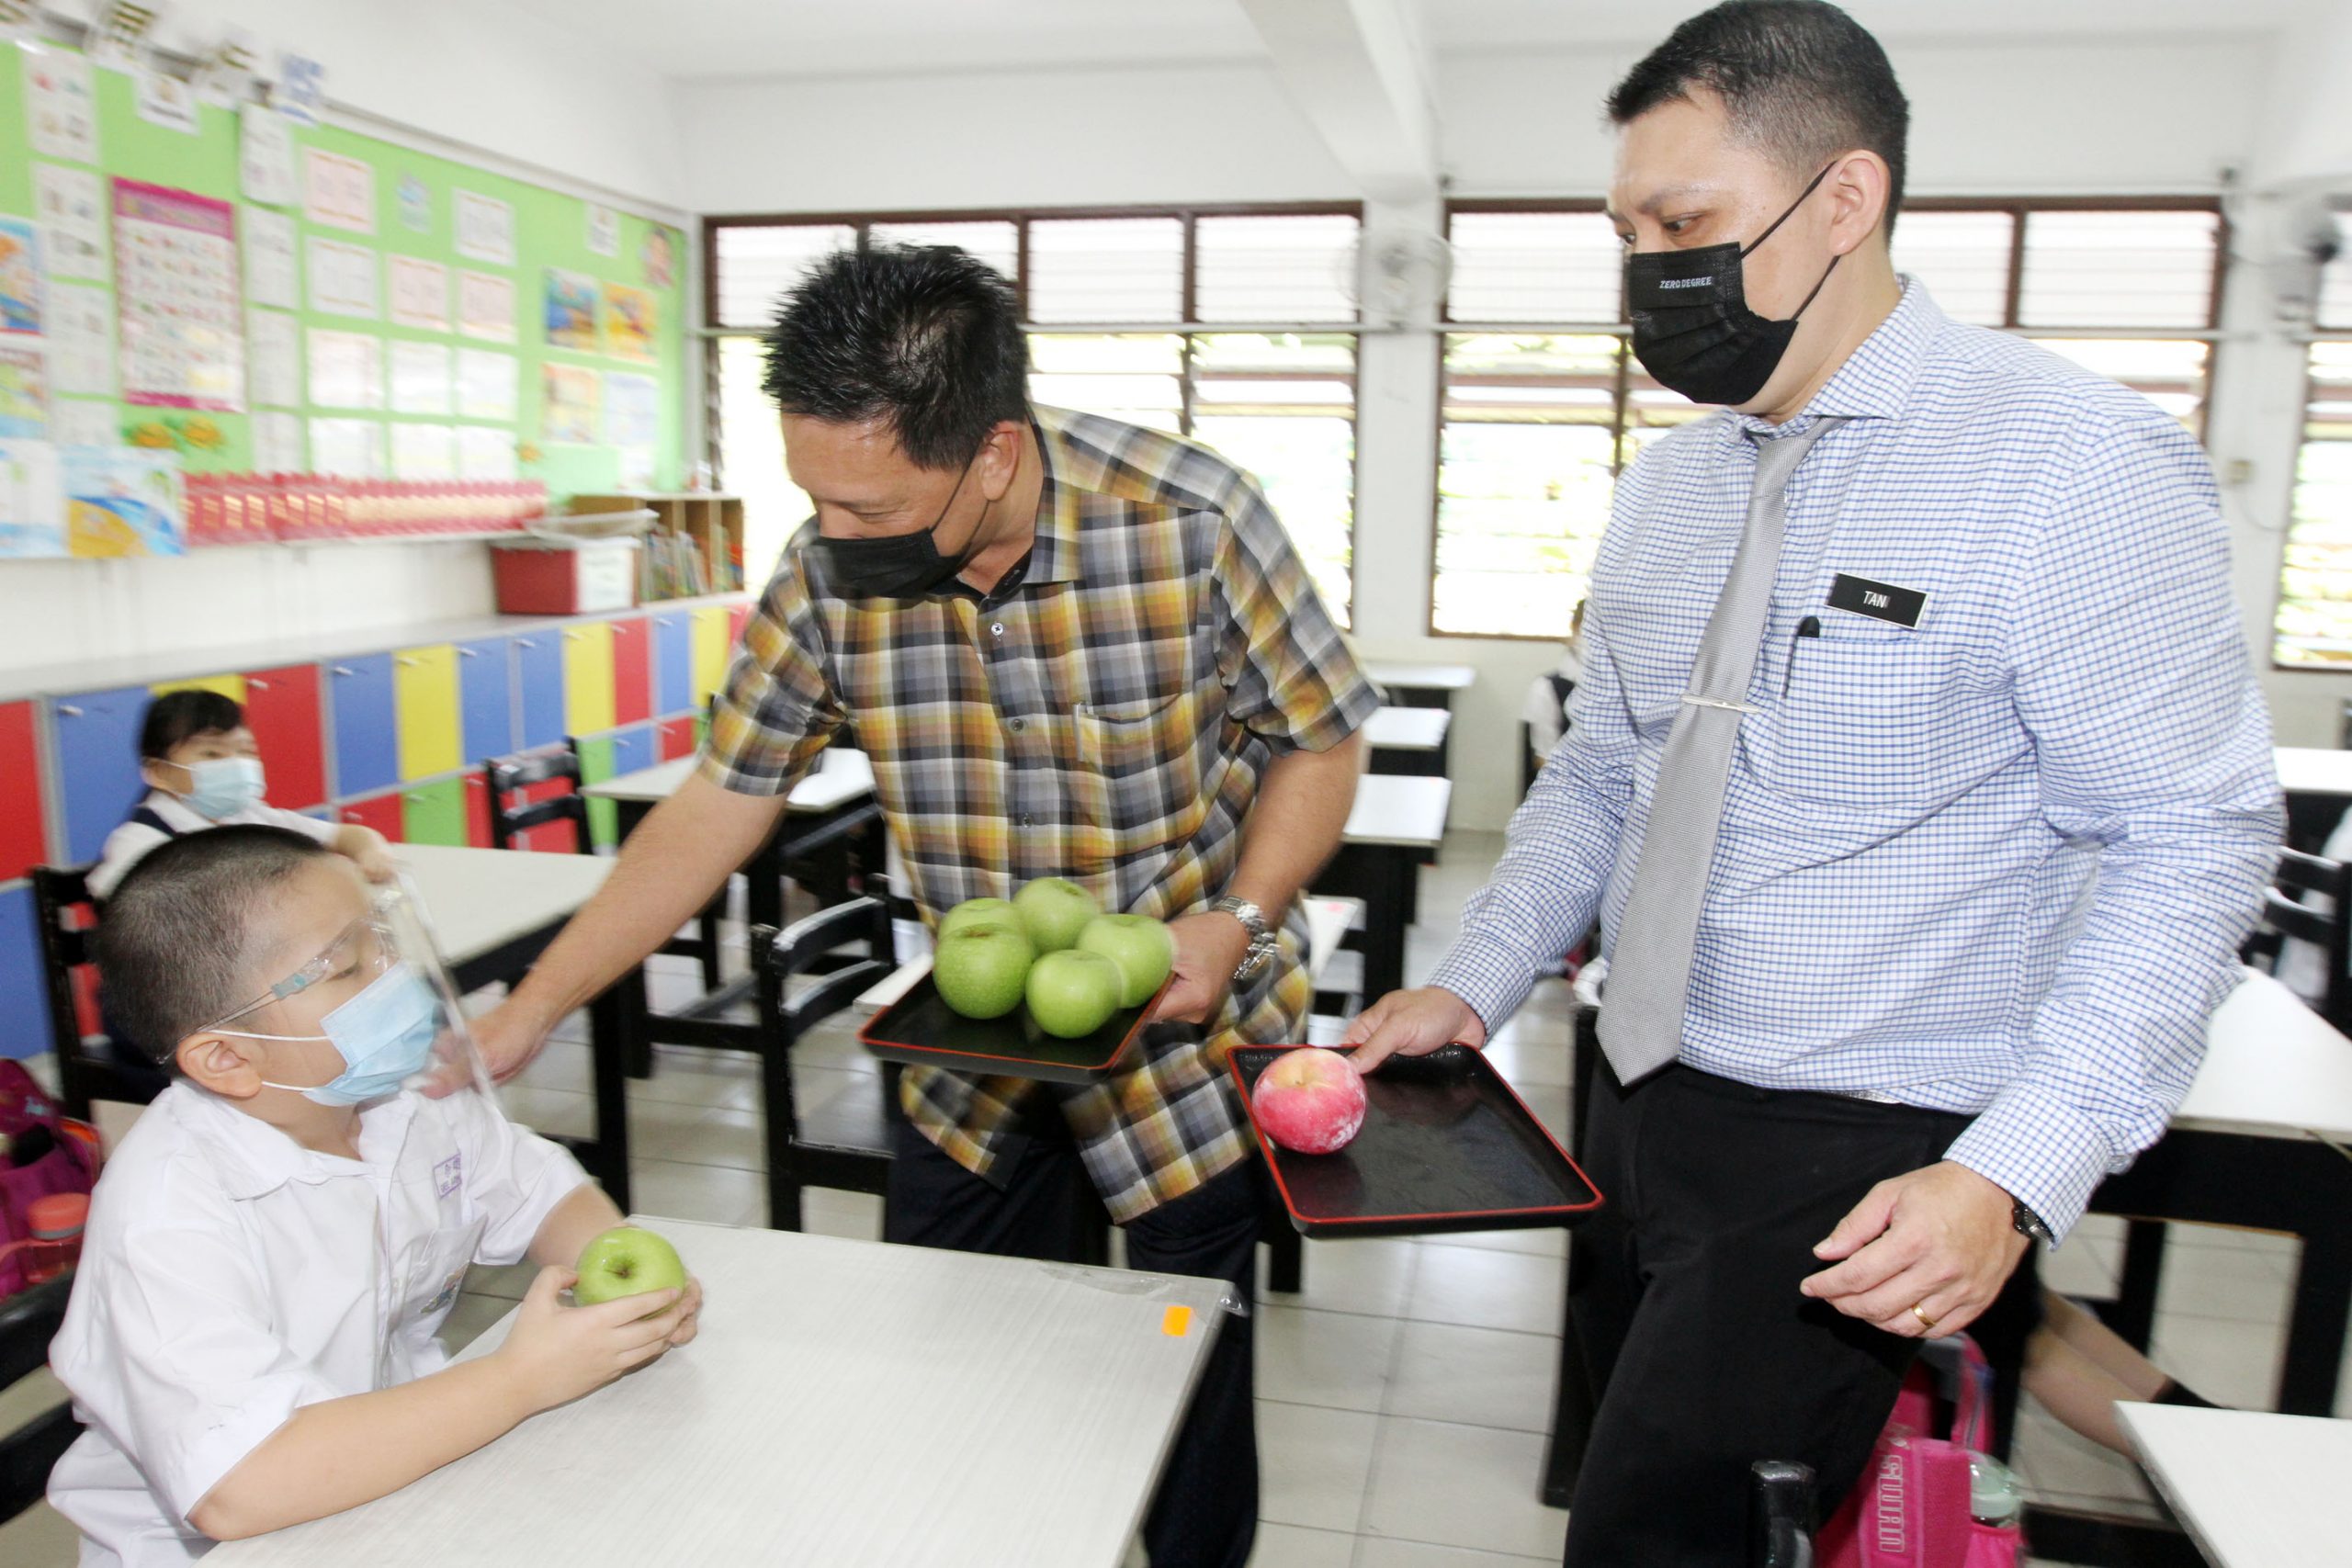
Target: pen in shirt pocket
1809, 626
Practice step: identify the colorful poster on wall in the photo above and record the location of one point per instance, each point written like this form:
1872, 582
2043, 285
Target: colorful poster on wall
182, 323
571, 311
300, 90
352, 448
20, 277
421, 378
659, 256
166, 100
266, 156
346, 370
273, 262
569, 399
32, 500
78, 422
80, 341
632, 408
24, 392
343, 279
631, 317
415, 205
604, 229
121, 501
485, 307
419, 291
61, 106
485, 229
338, 192
73, 211
274, 350
487, 384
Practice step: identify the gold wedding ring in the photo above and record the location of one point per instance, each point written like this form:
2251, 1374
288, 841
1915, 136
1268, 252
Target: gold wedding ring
1920, 1311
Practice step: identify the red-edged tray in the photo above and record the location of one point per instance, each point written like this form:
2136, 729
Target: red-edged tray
1446, 1145
923, 1029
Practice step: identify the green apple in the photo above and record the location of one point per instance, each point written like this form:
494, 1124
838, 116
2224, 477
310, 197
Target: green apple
981, 966
627, 1261
1139, 945
1073, 993
1055, 909
998, 911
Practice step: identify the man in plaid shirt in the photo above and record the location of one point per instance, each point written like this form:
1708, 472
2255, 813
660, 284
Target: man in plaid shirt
1071, 647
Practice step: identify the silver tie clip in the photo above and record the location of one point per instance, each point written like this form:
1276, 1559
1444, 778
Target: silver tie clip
1718, 703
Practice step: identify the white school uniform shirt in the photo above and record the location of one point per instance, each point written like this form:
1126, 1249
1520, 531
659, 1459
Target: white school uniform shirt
230, 1276
129, 844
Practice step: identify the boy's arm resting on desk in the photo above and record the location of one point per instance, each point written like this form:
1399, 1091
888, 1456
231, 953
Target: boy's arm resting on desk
342, 1453
365, 849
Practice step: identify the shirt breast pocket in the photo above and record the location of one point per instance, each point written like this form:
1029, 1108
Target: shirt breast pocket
1143, 771
1897, 724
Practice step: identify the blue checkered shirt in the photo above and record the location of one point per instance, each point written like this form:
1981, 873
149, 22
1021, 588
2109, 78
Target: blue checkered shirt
1996, 863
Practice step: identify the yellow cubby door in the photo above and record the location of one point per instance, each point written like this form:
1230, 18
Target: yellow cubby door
711, 639
424, 708
588, 678
230, 686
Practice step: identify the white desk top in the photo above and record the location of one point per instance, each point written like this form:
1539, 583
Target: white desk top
481, 900
2272, 1067
2255, 1489
1408, 729
845, 1403
841, 776
1426, 677
1398, 809
2310, 772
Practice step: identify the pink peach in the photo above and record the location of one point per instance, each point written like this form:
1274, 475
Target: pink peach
1309, 1101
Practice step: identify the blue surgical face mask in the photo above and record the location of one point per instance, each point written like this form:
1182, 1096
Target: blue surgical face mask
385, 1035
220, 787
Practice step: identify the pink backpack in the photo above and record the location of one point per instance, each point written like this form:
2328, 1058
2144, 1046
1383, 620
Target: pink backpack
57, 1156
1911, 1507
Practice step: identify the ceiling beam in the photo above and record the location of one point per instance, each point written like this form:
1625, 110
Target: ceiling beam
1360, 72
2306, 136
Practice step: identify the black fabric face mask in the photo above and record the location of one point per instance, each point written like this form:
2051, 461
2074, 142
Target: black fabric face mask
1692, 328
902, 565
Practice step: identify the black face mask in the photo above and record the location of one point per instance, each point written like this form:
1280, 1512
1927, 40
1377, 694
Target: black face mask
1692, 328
902, 565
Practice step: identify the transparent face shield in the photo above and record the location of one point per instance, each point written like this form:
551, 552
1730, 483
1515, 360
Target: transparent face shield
380, 999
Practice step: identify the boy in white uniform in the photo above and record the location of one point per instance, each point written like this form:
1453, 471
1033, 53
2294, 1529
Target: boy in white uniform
250, 1340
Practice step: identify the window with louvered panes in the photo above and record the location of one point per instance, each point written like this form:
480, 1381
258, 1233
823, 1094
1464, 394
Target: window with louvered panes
995, 243
2314, 624
758, 264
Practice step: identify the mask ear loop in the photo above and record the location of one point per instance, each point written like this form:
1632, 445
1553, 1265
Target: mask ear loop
1799, 313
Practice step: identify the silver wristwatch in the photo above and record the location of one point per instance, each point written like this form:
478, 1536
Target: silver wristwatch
1261, 937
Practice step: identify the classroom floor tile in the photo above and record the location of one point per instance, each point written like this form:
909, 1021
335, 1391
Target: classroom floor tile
1456, 1485
1476, 1377
1312, 1464
1339, 1360
1289, 1546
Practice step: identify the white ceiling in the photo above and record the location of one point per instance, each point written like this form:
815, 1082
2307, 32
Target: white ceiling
710, 39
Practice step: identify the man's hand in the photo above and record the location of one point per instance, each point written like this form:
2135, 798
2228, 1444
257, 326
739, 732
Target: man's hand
1942, 1239
1412, 1023
1209, 947
510, 1035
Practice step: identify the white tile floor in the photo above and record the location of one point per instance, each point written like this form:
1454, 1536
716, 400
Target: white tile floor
1404, 1394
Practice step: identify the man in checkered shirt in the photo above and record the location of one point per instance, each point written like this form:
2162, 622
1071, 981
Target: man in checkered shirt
1071, 647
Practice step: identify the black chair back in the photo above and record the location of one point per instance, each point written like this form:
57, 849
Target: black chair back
846, 1144
28, 1321
2287, 911
65, 915
506, 777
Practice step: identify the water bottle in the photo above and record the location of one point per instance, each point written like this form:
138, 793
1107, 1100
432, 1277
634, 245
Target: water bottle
1995, 1497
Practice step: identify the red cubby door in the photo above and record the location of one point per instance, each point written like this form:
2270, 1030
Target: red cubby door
632, 673
477, 812
282, 709
381, 812
557, 838
21, 845
678, 739
735, 619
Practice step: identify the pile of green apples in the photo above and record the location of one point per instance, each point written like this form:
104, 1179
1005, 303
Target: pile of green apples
1051, 946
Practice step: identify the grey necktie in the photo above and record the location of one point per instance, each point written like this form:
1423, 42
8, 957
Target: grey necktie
1649, 964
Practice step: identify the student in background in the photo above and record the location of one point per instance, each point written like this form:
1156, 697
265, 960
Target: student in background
203, 769
1546, 711
271, 1252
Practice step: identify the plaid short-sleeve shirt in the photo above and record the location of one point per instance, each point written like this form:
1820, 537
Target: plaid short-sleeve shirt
1105, 715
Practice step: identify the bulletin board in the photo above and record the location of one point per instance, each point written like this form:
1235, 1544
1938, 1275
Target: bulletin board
379, 234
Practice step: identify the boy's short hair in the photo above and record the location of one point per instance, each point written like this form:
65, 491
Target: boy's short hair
177, 715
173, 946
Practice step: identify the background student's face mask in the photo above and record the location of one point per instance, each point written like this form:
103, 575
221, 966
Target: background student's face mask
1692, 328
222, 786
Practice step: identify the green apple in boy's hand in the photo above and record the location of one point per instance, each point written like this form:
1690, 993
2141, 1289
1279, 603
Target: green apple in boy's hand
996, 911
979, 967
1139, 945
1055, 909
627, 1261
1073, 993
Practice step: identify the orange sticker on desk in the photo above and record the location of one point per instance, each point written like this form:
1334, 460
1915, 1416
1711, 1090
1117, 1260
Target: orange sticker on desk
1175, 1321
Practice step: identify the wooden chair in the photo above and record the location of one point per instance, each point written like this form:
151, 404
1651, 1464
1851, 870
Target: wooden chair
65, 916
844, 1142
28, 1321
2285, 914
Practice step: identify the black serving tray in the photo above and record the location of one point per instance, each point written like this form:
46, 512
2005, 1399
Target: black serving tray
921, 1029
1446, 1145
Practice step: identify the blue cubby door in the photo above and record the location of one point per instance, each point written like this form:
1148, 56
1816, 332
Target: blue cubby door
24, 988
367, 743
539, 680
486, 698
673, 664
97, 764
